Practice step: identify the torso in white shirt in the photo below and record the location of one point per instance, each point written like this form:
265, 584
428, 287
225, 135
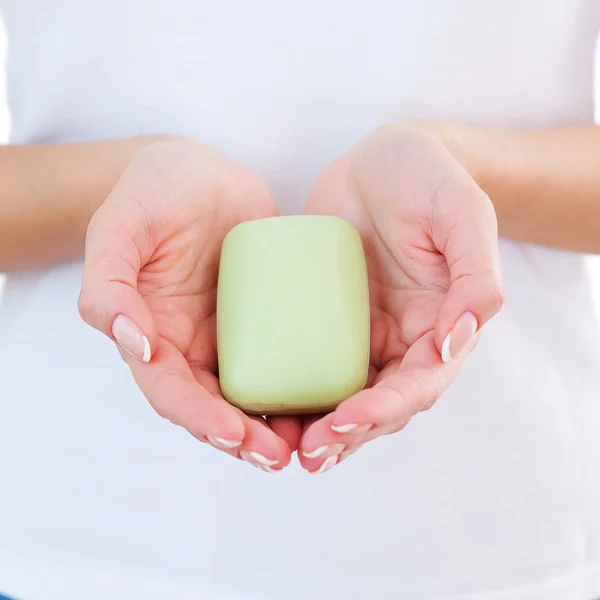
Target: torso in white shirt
494, 494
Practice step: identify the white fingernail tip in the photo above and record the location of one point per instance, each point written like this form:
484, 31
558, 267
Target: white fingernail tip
344, 428
147, 350
327, 464
446, 356
266, 469
352, 427
263, 460
223, 443
256, 457
316, 453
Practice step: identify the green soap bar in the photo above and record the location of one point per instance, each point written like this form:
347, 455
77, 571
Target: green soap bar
292, 315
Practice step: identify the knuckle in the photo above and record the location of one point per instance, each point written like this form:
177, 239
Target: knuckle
428, 403
166, 404
162, 410
497, 297
160, 399
429, 388
86, 305
169, 409
399, 426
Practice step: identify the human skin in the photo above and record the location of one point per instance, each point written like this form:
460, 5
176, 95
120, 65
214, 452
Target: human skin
49, 193
431, 243
419, 193
543, 182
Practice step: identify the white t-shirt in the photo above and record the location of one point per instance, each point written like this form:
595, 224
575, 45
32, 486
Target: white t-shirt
492, 495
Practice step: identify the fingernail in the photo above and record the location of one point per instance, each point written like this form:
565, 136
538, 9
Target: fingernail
315, 453
327, 464
266, 469
459, 336
224, 444
131, 338
355, 428
331, 449
255, 457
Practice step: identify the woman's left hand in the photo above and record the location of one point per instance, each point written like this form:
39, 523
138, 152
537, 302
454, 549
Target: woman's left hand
430, 237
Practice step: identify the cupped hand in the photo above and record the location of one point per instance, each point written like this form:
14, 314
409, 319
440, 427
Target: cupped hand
150, 282
430, 237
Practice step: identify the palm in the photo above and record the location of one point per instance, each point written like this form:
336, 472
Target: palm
156, 242
408, 276
431, 248
179, 282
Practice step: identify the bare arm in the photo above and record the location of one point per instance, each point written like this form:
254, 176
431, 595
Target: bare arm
48, 193
545, 184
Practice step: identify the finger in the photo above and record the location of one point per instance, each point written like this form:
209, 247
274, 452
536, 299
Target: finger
172, 390
399, 393
263, 448
466, 232
410, 387
117, 246
320, 446
288, 428
346, 454
191, 399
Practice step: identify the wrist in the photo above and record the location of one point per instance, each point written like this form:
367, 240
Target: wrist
51, 191
462, 141
488, 154
110, 158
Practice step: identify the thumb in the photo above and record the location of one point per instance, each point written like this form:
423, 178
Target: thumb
467, 235
117, 246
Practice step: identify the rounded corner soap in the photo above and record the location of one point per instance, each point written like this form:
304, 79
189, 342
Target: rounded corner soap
293, 321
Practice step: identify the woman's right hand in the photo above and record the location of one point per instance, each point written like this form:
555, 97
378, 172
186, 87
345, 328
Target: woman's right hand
150, 283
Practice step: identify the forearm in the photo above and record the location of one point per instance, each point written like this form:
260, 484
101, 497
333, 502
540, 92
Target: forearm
48, 193
545, 184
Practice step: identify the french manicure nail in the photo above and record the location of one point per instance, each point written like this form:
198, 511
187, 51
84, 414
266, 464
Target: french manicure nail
315, 453
131, 338
327, 464
255, 457
330, 449
355, 428
266, 469
224, 444
344, 428
459, 336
